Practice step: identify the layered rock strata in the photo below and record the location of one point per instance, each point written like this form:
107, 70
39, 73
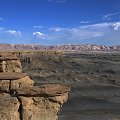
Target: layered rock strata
21, 100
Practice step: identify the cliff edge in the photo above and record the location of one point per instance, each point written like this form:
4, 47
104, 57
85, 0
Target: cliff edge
21, 100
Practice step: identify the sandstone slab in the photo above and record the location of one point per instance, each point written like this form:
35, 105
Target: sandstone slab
48, 90
11, 75
43, 102
12, 81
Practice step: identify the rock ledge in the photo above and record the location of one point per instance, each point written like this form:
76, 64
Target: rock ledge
21, 100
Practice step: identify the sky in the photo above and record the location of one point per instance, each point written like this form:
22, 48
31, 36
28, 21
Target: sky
58, 22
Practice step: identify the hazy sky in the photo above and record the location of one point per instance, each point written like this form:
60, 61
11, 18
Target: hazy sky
50, 22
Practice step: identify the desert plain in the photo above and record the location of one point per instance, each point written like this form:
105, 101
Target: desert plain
94, 78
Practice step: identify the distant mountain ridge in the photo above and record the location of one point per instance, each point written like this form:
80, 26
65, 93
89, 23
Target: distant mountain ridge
88, 47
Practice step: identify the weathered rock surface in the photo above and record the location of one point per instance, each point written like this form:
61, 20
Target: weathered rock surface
12, 81
43, 102
22, 82
9, 107
10, 63
33, 103
20, 100
11, 75
4, 85
39, 108
39, 104
45, 90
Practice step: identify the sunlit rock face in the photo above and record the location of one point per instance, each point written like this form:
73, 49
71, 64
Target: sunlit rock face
12, 81
43, 102
10, 63
21, 100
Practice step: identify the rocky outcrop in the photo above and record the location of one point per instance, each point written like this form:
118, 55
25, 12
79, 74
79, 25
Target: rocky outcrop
42, 103
21, 100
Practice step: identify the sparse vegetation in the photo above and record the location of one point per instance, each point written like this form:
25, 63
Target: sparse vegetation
70, 68
94, 78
